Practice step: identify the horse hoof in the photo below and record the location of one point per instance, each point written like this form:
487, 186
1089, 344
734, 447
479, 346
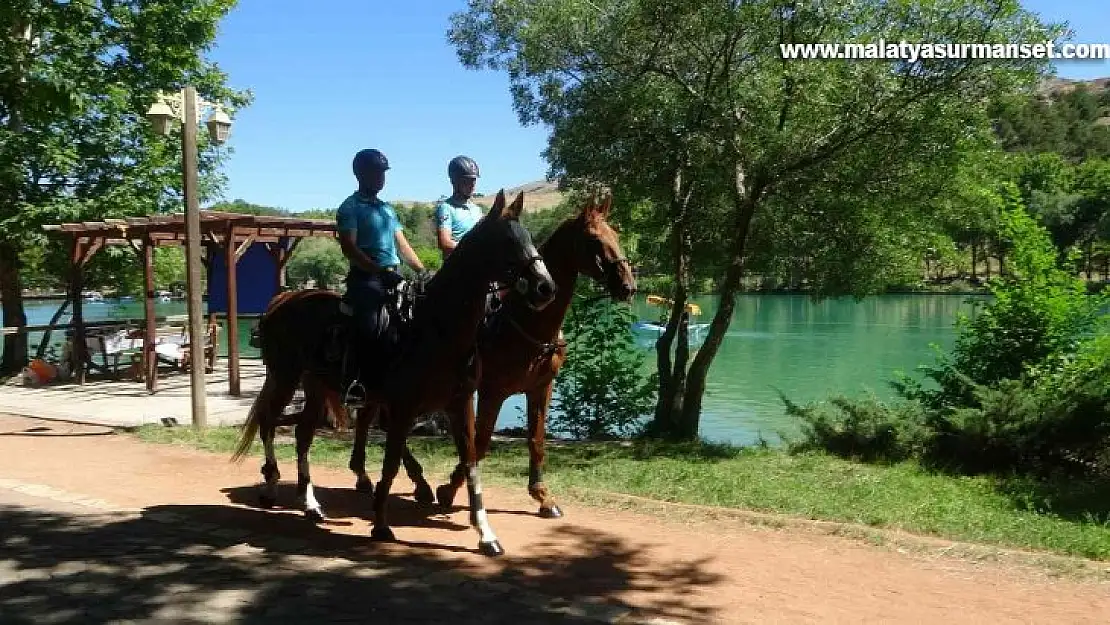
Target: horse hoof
550, 513
315, 515
445, 495
267, 501
491, 549
365, 487
424, 495
382, 534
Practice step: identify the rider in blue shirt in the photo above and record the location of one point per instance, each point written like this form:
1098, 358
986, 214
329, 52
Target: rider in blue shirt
372, 240
456, 215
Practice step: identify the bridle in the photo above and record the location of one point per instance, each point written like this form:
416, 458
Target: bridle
516, 275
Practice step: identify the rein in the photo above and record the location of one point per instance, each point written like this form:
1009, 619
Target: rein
545, 348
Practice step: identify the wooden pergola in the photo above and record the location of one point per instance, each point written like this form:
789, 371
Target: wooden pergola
231, 234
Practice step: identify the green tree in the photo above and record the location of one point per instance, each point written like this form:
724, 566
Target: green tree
319, 259
747, 156
169, 268
247, 208
1037, 316
75, 80
1057, 119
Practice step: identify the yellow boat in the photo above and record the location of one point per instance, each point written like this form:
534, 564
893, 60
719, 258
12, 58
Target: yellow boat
653, 329
658, 300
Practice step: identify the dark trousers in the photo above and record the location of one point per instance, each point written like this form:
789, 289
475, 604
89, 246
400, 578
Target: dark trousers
366, 294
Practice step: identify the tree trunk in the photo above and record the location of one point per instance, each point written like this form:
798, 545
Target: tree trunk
672, 374
11, 291
699, 369
975, 261
1089, 253
45, 343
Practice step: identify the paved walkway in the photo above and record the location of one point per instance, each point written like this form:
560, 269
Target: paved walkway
126, 403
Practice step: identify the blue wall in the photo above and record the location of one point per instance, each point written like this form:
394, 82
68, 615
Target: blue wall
256, 280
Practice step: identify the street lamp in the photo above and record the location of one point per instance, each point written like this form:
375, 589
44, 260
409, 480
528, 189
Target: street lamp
170, 107
186, 107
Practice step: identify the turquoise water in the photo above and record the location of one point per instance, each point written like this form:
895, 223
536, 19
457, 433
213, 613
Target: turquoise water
805, 349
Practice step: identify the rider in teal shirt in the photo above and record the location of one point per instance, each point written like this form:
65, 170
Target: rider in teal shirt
456, 215
373, 242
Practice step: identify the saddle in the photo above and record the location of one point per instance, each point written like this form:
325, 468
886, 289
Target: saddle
346, 365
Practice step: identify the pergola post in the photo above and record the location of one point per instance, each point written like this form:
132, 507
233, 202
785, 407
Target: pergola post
82, 251
231, 260
150, 360
281, 252
76, 285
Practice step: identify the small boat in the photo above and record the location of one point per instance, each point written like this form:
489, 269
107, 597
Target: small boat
92, 297
652, 330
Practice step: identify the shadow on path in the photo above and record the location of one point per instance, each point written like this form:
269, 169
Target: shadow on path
230, 564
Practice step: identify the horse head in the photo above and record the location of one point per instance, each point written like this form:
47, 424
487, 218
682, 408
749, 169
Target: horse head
598, 251
512, 257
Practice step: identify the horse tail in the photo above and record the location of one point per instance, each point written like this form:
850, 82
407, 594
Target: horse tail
254, 419
342, 417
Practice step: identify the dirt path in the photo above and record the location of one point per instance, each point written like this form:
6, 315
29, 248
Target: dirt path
672, 569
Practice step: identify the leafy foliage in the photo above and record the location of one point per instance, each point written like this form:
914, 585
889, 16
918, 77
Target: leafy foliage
602, 390
1060, 121
825, 169
1037, 317
1026, 387
75, 80
317, 259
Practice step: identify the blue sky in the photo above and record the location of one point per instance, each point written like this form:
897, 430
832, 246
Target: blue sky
331, 77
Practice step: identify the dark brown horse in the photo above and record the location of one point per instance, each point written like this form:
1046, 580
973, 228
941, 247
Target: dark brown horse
434, 368
522, 350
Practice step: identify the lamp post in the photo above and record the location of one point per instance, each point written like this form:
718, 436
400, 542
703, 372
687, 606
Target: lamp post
185, 106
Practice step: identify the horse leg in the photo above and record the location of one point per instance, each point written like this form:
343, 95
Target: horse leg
272, 399
423, 491
462, 424
307, 422
394, 449
445, 494
538, 401
363, 484
366, 416
489, 406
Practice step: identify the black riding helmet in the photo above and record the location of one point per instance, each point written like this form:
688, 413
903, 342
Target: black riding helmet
369, 160
462, 167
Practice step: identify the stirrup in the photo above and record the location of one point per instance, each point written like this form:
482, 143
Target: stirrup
355, 397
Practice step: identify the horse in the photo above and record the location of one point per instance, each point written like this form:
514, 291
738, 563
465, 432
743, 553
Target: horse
431, 369
521, 351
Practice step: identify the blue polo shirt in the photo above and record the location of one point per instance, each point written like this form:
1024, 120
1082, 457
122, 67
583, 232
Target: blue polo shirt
460, 217
375, 224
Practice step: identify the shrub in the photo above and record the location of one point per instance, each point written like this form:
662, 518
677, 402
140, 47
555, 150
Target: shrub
865, 429
1026, 388
1038, 316
602, 390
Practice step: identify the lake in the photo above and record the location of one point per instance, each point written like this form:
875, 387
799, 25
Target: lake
808, 350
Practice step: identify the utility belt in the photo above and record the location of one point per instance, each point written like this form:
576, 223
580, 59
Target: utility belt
358, 273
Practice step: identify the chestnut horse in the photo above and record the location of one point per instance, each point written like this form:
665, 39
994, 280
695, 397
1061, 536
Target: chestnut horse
434, 367
522, 350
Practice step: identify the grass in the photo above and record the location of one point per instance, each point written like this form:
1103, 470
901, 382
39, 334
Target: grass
985, 510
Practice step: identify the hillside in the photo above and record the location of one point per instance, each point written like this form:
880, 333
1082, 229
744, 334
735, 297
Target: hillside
1060, 86
538, 195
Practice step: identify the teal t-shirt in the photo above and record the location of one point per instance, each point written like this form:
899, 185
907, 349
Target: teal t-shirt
459, 217
374, 224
